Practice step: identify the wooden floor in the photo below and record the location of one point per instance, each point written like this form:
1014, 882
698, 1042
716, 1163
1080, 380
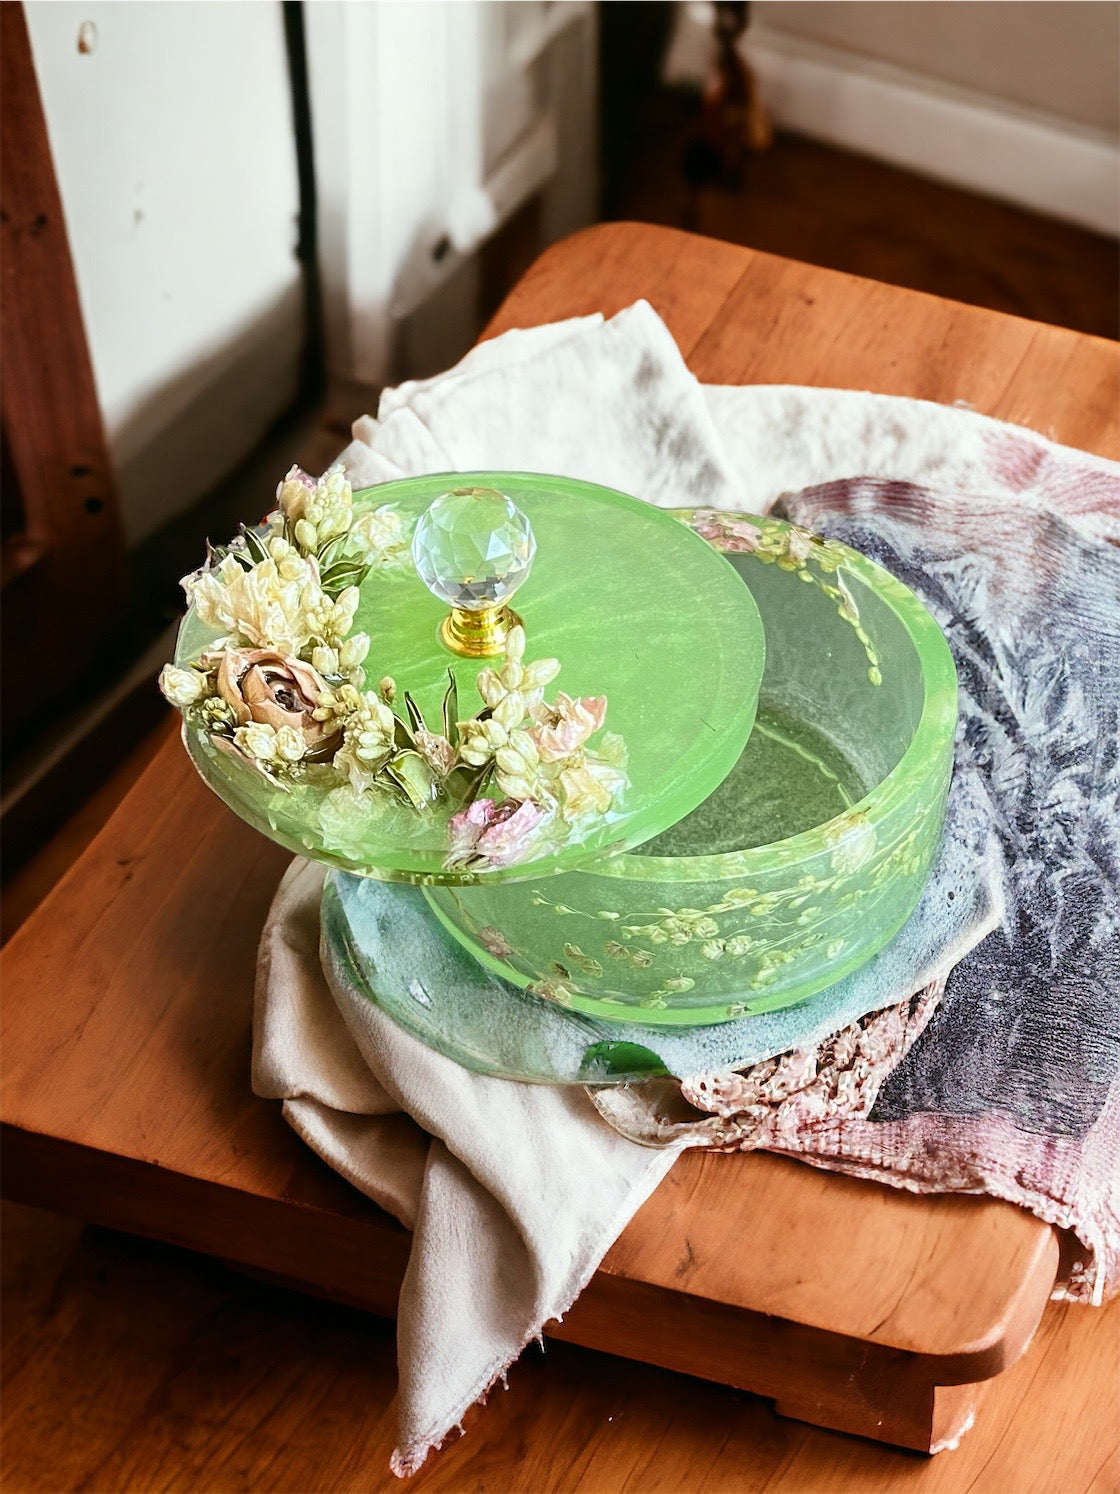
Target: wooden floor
132, 1366
847, 212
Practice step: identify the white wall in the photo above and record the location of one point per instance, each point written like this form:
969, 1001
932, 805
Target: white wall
173, 143
1059, 57
173, 146
433, 121
1018, 99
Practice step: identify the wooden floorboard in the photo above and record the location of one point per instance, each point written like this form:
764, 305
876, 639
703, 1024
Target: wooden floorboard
848, 212
133, 1367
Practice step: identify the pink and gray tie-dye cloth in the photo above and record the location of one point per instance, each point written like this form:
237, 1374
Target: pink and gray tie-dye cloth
1012, 1086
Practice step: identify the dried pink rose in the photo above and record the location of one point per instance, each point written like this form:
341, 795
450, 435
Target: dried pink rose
464, 830
436, 751
493, 834
259, 684
509, 837
495, 942
565, 726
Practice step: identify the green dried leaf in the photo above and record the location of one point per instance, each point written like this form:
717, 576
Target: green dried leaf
254, 544
345, 573
451, 710
327, 553
415, 715
414, 778
215, 554
464, 784
376, 764
402, 735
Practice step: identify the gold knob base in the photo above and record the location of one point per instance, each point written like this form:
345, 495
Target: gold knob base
478, 635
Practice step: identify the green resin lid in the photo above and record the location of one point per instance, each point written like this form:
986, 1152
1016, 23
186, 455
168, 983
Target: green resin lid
634, 606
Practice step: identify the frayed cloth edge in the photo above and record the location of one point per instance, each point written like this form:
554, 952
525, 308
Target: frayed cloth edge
407, 1460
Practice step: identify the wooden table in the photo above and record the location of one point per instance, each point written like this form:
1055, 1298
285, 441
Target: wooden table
126, 1047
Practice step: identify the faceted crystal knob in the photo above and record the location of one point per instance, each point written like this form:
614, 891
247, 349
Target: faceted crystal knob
473, 548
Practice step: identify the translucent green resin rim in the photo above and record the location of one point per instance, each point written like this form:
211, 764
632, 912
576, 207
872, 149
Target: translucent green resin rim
933, 736
912, 791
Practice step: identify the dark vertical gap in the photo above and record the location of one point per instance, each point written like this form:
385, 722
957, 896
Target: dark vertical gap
313, 374
633, 38
13, 520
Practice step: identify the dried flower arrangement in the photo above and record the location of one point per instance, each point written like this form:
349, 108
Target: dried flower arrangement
283, 689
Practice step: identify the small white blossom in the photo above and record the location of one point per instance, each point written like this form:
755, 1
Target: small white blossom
277, 604
519, 769
353, 651
515, 645
589, 788
344, 610
290, 746
370, 729
479, 740
542, 673
611, 749
519, 683
490, 687
318, 509
217, 713
292, 494
257, 740
182, 687
379, 537
510, 710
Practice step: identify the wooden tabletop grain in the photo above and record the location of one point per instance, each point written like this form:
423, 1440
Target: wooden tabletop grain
126, 1048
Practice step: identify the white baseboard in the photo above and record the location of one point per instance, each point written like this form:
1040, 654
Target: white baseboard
971, 140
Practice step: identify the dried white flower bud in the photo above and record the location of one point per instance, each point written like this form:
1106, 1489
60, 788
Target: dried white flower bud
490, 687
353, 651
522, 743
257, 740
182, 687
510, 711
515, 645
290, 745
541, 673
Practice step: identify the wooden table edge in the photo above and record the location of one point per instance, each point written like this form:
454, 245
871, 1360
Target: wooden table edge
608, 233
850, 1384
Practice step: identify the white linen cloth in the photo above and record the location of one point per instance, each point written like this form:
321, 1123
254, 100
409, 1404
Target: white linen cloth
515, 1192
